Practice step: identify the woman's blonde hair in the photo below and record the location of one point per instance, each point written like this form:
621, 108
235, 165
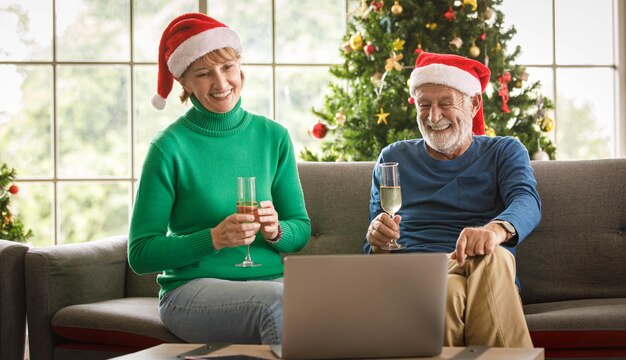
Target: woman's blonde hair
212, 58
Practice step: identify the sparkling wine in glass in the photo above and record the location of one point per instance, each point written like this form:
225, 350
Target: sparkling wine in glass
247, 204
390, 195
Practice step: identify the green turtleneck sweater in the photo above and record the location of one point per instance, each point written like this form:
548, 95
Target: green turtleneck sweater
189, 185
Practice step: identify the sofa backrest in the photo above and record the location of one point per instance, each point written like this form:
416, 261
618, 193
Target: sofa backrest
337, 201
578, 250
575, 253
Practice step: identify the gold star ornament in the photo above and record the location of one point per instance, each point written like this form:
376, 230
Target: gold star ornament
382, 117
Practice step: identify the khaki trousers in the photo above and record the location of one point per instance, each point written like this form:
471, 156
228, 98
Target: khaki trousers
483, 305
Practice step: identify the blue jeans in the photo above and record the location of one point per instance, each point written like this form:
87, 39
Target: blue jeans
221, 311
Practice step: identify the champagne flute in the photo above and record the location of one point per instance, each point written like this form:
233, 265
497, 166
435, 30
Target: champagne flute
247, 204
390, 196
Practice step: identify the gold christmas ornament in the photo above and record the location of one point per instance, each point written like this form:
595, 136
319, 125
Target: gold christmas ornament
474, 51
375, 79
394, 62
431, 26
456, 43
518, 84
340, 118
382, 117
396, 8
398, 44
487, 14
523, 75
356, 42
346, 47
472, 3
546, 124
490, 132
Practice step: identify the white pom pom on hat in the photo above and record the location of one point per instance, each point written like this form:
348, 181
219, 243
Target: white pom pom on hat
158, 102
187, 38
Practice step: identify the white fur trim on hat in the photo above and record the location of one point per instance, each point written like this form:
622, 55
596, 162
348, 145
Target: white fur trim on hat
199, 45
447, 75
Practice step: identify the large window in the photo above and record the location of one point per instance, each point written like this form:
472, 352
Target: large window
571, 46
75, 115
77, 76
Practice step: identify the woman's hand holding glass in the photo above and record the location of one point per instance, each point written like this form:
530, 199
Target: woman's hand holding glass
235, 230
268, 218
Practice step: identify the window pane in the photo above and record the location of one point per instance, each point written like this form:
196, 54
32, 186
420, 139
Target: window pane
533, 21
309, 31
25, 119
252, 20
256, 92
93, 121
298, 89
150, 19
148, 120
33, 205
585, 115
91, 211
93, 30
26, 28
584, 32
544, 76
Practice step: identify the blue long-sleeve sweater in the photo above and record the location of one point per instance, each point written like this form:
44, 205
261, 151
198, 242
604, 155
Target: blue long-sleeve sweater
493, 179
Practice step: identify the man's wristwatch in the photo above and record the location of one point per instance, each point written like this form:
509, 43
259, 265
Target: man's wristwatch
507, 226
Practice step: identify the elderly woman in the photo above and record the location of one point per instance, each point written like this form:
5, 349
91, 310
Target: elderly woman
184, 222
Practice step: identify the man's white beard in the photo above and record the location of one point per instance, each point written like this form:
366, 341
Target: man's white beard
443, 143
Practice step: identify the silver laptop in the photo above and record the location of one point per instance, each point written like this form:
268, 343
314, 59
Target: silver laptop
363, 306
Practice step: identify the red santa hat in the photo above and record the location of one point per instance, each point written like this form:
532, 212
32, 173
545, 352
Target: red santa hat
187, 38
466, 75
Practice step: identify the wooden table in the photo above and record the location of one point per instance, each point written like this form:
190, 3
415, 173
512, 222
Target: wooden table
170, 352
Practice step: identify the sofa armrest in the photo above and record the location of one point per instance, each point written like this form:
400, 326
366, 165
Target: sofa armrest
63, 275
12, 306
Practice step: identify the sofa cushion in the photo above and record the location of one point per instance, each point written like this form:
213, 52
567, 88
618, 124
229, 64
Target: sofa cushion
337, 201
578, 324
130, 322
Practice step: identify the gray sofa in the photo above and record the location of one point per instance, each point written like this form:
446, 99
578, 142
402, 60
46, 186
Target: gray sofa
12, 300
84, 302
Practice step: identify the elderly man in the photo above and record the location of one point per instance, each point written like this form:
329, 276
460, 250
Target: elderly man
471, 196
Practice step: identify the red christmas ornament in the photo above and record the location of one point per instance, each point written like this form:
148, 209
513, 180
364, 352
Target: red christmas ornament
378, 4
450, 15
319, 130
506, 76
13, 189
411, 100
483, 36
419, 50
369, 49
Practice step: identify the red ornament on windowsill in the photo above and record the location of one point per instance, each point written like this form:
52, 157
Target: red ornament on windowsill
13, 189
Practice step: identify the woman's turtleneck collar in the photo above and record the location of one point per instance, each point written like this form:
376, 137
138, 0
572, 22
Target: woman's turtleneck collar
201, 120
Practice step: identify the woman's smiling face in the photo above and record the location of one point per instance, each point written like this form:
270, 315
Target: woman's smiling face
217, 85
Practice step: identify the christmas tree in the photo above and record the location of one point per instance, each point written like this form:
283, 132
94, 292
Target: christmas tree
370, 107
11, 228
